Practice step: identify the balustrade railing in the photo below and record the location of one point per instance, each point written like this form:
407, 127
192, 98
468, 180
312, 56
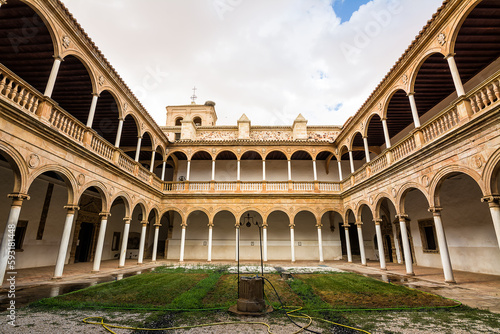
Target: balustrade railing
251, 186
18, 91
156, 183
199, 186
303, 186
143, 174
486, 95
403, 148
329, 186
440, 125
277, 186
378, 163
67, 124
102, 147
225, 186
174, 186
360, 174
126, 162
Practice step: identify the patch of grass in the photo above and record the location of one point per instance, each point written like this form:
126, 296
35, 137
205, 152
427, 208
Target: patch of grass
145, 290
193, 298
347, 290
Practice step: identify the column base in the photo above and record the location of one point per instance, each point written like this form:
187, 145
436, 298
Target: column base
121, 267
56, 278
364, 264
94, 271
383, 268
410, 274
140, 263
450, 282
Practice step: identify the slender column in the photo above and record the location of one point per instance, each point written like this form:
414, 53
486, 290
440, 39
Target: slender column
339, 163
119, 133
93, 105
238, 173
213, 170
183, 241
188, 170
53, 75
396, 244
138, 149
123, 250
292, 241
380, 244
443, 245
210, 226
63, 247
315, 171
406, 244
386, 133
351, 161
152, 165
142, 243
264, 240
289, 170
455, 75
8, 244
414, 110
237, 251
494, 204
367, 151
164, 165
155, 242
347, 243
263, 170
320, 240
100, 241
359, 224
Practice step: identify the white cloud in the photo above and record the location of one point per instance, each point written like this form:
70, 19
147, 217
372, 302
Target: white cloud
268, 59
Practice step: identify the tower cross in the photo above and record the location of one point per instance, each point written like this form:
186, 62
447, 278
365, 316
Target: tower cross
194, 97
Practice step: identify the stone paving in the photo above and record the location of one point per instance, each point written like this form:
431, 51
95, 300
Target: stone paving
472, 289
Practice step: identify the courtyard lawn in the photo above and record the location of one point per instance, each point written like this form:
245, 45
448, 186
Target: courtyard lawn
189, 289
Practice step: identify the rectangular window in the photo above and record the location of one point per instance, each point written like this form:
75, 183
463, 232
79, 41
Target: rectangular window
22, 226
428, 236
115, 244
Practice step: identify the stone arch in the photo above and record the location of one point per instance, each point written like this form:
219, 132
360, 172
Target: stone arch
86, 63
142, 204
278, 150
443, 174
269, 212
191, 210
490, 171
65, 173
324, 211
126, 199
401, 196
242, 212
368, 120
299, 210
378, 202
221, 209
156, 210
299, 151
457, 24
353, 138
167, 209
359, 209
250, 151
345, 215
115, 96
101, 188
18, 165
135, 118
423, 57
388, 99
200, 151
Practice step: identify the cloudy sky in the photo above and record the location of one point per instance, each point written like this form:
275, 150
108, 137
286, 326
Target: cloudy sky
269, 59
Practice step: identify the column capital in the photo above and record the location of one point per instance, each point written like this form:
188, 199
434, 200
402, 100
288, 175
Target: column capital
95, 94
184, 224
492, 200
449, 55
144, 222
291, 225
58, 58
410, 93
319, 225
436, 210
104, 215
157, 225
127, 220
402, 216
383, 119
3, 2
346, 226
71, 207
18, 197
210, 224
264, 225
358, 223
377, 221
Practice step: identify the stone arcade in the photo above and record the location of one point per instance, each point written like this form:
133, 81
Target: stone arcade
87, 175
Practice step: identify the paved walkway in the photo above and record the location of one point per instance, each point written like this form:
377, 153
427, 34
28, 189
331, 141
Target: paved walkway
472, 289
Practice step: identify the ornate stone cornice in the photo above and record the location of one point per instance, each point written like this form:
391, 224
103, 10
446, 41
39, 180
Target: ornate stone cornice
18, 197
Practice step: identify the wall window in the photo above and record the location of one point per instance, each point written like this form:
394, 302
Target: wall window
22, 226
428, 236
115, 244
